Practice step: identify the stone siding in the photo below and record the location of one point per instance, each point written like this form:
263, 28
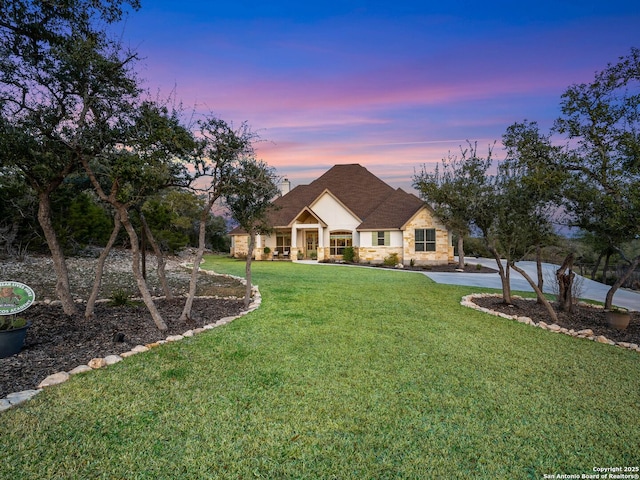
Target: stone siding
444, 249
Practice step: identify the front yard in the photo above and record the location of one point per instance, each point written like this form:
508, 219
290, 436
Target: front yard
342, 373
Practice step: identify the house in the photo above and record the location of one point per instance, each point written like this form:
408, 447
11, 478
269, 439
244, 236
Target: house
348, 206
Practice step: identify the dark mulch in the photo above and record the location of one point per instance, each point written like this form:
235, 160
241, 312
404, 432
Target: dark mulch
56, 342
583, 318
451, 267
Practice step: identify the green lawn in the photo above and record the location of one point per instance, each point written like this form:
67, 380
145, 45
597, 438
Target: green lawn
342, 373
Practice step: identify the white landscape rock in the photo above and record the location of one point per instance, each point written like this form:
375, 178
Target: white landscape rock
174, 338
140, 349
19, 397
112, 359
80, 369
54, 379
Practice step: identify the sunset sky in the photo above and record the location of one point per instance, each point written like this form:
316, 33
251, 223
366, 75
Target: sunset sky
389, 85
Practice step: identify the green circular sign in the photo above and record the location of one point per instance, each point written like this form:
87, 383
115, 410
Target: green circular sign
15, 297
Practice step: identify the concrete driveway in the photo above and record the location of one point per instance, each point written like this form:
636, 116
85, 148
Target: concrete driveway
589, 289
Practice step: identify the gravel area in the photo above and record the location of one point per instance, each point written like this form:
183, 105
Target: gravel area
58, 342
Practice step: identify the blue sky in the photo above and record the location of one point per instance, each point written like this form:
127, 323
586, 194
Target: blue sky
389, 85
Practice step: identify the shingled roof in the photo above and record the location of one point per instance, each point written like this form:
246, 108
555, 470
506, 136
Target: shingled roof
377, 205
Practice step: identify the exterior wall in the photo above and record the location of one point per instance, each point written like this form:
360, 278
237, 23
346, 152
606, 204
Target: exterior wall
239, 245
401, 242
334, 214
377, 254
370, 253
444, 249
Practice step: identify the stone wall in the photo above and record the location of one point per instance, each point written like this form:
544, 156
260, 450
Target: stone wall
444, 249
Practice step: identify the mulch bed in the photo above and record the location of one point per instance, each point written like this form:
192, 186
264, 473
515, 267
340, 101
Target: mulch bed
584, 317
56, 342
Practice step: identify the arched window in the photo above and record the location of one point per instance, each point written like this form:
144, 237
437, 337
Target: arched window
340, 240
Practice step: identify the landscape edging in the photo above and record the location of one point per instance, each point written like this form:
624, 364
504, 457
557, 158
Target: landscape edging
467, 301
13, 399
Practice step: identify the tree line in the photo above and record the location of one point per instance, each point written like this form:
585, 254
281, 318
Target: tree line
86, 147
583, 174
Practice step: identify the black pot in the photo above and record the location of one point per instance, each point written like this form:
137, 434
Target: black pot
11, 341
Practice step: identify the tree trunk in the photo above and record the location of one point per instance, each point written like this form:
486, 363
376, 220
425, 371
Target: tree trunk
137, 273
565, 284
159, 258
608, 302
88, 312
62, 274
461, 252
594, 272
605, 269
536, 288
247, 293
193, 281
539, 271
504, 276
121, 210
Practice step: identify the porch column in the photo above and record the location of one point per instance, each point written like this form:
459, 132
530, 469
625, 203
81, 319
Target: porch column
294, 234
320, 237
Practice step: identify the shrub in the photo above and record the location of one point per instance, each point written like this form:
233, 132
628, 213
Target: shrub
391, 260
119, 297
349, 255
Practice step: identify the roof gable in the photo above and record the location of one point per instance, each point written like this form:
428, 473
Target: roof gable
373, 202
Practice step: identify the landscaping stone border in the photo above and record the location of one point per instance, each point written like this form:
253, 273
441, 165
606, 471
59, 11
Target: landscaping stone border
467, 301
17, 398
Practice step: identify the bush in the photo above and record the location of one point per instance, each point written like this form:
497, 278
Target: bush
391, 260
349, 255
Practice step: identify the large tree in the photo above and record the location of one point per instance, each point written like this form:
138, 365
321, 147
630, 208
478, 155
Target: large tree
454, 189
249, 199
536, 184
601, 119
60, 78
221, 146
147, 160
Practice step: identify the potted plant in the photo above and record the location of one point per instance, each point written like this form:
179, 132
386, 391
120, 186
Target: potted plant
14, 298
13, 331
266, 251
618, 317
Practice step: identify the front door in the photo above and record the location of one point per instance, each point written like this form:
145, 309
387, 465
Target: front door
311, 244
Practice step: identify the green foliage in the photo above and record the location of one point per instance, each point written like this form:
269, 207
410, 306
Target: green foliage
120, 297
457, 188
11, 322
391, 260
601, 119
87, 222
349, 255
476, 247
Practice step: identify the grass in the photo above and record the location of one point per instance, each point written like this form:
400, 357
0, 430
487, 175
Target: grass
342, 373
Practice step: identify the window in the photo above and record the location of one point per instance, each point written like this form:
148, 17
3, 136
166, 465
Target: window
381, 238
425, 239
283, 241
340, 240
